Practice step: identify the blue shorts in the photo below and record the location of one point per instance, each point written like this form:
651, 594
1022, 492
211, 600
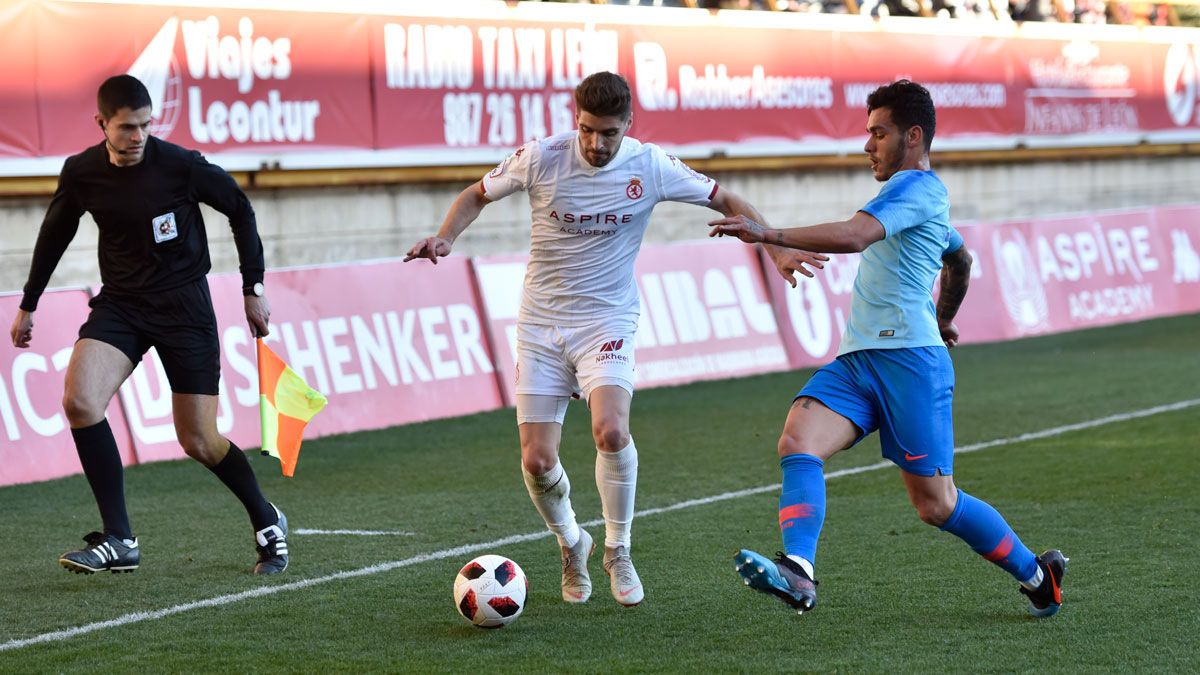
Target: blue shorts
904, 393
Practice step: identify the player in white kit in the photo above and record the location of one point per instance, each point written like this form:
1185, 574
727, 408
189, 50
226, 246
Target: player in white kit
591, 192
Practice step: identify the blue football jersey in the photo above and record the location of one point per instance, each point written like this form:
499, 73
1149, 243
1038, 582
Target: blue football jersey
892, 303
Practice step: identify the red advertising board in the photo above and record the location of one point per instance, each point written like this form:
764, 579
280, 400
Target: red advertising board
387, 343
1177, 229
35, 439
1174, 79
979, 319
1061, 274
1029, 278
813, 315
707, 84
462, 83
18, 82
418, 85
969, 77
705, 314
1082, 87
220, 80
750, 83
391, 343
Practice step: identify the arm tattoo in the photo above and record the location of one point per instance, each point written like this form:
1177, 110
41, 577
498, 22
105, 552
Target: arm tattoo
956, 277
779, 237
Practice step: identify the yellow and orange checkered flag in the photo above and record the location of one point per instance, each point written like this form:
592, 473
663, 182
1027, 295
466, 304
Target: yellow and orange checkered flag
286, 403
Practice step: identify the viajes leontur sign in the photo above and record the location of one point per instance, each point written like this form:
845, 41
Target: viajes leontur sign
221, 80
428, 84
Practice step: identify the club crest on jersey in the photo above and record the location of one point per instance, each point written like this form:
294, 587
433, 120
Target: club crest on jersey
164, 227
634, 189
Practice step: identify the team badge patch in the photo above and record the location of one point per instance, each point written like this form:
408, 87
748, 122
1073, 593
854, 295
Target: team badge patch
634, 189
164, 228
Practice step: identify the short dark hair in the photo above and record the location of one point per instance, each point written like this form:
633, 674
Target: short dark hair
911, 106
604, 94
121, 91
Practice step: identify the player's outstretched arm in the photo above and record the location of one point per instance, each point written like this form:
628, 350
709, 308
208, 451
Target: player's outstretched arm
847, 236
465, 209
22, 329
787, 261
956, 277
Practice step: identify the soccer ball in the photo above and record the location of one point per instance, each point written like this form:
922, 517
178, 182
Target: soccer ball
490, 591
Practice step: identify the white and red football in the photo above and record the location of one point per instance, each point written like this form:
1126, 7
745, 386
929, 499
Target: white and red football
490, 591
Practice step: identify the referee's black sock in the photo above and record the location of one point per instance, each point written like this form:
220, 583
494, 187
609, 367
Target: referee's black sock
102, 465
235, 472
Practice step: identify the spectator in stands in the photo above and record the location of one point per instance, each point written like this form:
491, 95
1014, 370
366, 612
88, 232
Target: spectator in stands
1067, 11
1090, 11
1026, 10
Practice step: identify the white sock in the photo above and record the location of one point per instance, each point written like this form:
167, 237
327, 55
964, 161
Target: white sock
1034, 581
551, 494
805, 564
616, 479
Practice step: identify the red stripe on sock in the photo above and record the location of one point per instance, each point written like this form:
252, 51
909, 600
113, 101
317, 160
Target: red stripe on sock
1002, 549
795, 511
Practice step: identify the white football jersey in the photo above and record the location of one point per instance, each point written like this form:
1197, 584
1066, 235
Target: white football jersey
588, 222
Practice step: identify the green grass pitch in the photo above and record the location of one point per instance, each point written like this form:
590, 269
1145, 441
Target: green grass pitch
1120, 499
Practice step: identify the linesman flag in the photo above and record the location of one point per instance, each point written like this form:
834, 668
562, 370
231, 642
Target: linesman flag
286, 403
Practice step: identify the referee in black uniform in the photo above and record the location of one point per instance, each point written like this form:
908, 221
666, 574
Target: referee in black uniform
145, 195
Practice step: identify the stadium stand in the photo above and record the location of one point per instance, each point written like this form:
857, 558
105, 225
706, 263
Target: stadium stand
1169, 13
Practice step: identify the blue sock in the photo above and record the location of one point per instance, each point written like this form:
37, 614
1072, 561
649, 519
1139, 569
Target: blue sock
802, 505
984, 529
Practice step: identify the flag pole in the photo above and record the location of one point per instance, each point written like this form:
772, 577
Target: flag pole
262, 408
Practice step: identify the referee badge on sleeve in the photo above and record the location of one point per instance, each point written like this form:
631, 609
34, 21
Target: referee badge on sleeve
164, 228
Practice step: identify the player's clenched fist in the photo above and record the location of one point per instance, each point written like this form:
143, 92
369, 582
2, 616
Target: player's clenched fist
22, 329
431, 248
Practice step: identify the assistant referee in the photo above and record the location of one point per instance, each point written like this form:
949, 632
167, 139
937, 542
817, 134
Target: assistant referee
145, 196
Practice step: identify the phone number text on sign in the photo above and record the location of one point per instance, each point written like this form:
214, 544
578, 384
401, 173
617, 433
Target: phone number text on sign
534, 115
503, 85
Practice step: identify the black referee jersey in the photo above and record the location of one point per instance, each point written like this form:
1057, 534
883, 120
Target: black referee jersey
152, 236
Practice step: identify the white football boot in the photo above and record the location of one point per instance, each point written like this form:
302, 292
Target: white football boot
576, 582
626, 586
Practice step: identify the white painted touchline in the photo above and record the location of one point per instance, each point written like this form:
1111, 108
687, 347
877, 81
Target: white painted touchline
358, 533
218, 601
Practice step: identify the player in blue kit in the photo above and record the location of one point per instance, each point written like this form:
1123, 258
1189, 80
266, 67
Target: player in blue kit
893, 371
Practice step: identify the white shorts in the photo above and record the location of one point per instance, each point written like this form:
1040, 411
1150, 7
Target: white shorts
565, 361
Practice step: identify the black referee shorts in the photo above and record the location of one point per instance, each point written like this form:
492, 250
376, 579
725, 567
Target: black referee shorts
178, 323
